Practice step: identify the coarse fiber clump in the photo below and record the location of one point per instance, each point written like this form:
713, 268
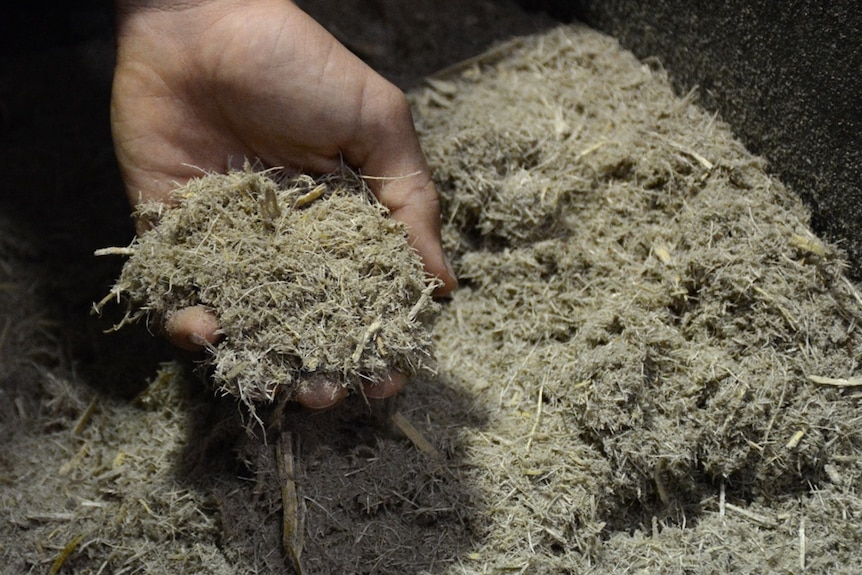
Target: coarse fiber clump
307, 276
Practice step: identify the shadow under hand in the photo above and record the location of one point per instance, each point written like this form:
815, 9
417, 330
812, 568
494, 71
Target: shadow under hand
371, 501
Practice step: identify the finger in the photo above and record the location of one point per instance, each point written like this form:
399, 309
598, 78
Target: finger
192, 328
421, 212
389, 386
318, 393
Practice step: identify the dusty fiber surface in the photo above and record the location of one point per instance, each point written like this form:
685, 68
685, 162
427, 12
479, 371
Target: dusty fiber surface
651, 366
284, 266
643, 312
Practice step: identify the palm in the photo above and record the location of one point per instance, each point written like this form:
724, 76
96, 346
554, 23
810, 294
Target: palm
254, 86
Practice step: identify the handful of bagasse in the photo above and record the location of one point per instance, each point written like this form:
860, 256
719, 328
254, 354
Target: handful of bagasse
307, 276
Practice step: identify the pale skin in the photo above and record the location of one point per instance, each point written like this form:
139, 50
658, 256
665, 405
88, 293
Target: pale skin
206, 84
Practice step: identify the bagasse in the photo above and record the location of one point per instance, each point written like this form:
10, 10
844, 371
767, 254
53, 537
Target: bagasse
646, 316
308, 277
651, 366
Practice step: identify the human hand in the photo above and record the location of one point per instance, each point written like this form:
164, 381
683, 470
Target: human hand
206, 84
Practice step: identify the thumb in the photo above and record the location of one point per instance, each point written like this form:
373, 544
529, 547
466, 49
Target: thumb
417, 205
401, 180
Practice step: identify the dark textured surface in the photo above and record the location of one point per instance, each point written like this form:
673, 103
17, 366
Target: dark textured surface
785, 76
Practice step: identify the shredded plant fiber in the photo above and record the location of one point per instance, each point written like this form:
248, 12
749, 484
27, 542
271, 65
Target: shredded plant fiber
643, 311
309, 277
651, 366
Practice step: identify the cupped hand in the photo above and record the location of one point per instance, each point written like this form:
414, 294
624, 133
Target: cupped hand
204, 85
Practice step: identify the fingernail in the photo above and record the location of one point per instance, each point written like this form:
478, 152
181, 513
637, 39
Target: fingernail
198, 339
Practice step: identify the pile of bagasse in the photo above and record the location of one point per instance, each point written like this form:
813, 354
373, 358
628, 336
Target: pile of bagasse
651, 364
